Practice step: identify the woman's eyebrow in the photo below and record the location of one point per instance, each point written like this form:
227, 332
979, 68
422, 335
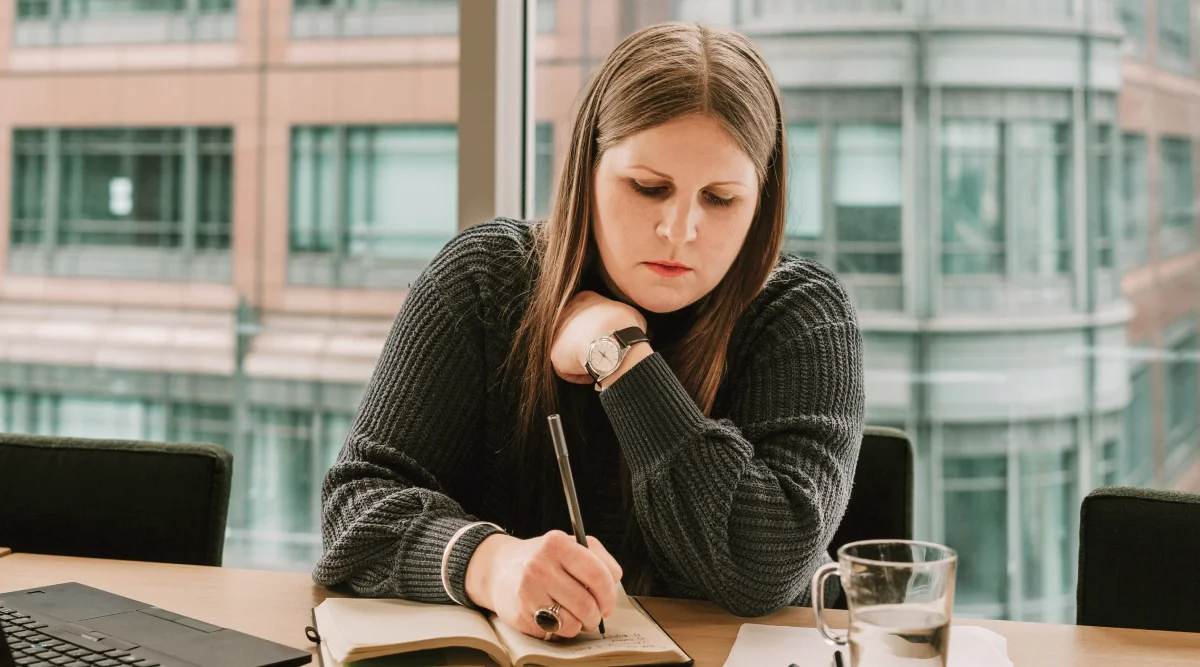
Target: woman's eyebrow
642, 166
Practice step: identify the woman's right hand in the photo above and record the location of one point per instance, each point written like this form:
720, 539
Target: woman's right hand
515, 578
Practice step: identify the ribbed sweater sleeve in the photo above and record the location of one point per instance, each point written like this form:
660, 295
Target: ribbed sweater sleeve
741, 510
386, 517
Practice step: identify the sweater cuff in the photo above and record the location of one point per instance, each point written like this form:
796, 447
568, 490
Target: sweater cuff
651, 413
443, 530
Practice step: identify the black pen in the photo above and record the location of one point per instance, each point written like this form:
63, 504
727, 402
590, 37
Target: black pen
568, 480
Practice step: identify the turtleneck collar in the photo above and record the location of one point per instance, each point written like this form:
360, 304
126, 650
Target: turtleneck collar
665, 329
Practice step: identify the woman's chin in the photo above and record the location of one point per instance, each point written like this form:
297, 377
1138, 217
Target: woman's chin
656, 301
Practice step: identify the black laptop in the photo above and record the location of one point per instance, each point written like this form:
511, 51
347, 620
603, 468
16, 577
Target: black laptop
72, 625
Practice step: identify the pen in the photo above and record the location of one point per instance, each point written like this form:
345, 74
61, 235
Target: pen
564, 469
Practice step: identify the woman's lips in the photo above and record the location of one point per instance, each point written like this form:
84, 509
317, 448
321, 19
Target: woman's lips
668, 270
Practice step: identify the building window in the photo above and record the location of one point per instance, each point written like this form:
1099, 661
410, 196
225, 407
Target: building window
167, 190
862, 195
543, 169
1134, 176
1182, 400
976, 487
867, 198
1048, 519
1139, 430
1175, 34
1105, 193
1178, 233
1132, 15
804, 189
1005, 194
363, 18
369, 194
83, 22
973, 231
199, 422
81, 416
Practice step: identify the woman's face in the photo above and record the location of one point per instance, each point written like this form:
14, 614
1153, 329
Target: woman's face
672, 207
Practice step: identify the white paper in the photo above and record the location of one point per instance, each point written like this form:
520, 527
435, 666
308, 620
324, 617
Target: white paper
780, 646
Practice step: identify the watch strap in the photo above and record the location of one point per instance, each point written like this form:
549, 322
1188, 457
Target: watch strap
629, 336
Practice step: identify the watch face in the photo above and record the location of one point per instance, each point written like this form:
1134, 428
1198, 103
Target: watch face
604, 356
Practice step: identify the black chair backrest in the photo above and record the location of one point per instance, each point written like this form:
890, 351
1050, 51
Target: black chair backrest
120, 499
881, 502
1138, 550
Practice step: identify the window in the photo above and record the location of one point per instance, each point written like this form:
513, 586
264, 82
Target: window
199, 422
863, 194
1103, 196
543, 169
1048, 511
363, 18
1178, 231
81, 416
976, 516
1005, 193
83, 22
867, 198
1139, 430
33, 9
1135, 237
374, 192
804, 187
973, 231
164, 189
1182, 400
1132, 15
1175, 34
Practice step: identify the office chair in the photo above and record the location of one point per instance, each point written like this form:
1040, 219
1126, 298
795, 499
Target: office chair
881, 501
1137, 560
121, 499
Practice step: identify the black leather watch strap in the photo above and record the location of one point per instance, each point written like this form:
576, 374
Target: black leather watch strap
630, 335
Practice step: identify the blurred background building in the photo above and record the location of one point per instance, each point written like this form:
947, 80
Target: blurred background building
215, 208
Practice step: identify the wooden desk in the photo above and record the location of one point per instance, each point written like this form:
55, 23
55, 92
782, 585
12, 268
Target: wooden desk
275, 606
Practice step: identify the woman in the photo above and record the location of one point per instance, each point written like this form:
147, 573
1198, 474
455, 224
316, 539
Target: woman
715, 460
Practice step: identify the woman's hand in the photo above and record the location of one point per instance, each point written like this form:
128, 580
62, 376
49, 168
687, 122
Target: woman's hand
515, 578
588, 316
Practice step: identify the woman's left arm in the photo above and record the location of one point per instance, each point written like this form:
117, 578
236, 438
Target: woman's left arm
740, 510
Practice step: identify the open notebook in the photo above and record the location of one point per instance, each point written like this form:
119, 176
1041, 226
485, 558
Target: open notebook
398, 633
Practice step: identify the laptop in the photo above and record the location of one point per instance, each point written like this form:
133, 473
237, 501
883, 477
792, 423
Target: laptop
72, 625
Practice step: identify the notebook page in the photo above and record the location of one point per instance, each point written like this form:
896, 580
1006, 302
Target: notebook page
356, 628
629, 631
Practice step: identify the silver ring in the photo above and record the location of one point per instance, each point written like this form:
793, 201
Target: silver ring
547, 619
549, 636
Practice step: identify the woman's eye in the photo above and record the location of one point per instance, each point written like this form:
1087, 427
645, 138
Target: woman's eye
649, 191
718, 201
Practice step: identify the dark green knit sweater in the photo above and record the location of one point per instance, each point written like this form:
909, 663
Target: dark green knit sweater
739, 508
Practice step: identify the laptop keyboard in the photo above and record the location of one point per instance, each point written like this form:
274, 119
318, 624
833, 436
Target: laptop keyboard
31, 648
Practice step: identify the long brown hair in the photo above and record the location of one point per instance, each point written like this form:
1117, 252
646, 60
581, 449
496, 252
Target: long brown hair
657, 74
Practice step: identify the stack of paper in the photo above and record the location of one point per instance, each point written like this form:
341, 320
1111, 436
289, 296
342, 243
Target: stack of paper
778, 645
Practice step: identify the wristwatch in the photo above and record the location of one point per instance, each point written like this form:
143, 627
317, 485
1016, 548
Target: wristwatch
607, 352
